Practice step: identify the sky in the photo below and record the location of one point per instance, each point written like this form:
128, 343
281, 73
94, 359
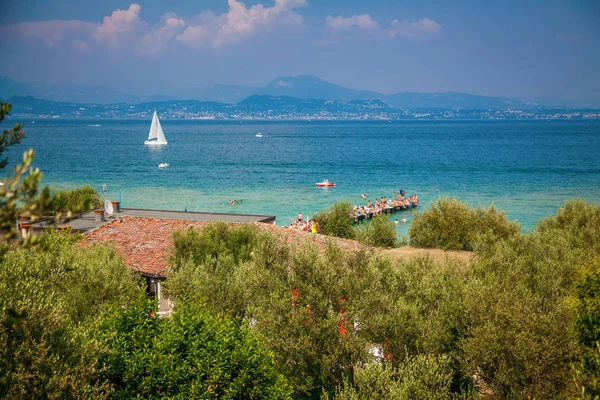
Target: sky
510, 48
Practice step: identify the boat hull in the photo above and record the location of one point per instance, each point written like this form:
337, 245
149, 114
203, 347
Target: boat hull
325, 184
154, 143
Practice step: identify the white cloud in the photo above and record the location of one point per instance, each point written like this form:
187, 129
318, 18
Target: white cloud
118, 24
195, 35
155, 40
340, 23
239, 23
80, 46
422, 29
124, 28
419, 29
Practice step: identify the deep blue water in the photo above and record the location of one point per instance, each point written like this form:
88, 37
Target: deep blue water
528, 168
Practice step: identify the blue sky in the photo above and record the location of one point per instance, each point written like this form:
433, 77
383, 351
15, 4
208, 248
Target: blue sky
502, 48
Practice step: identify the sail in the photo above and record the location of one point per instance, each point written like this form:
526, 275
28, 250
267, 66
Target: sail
156, 134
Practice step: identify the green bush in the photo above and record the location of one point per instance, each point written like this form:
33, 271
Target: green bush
451, 225
521, 320
337, 220
420, 377
85, 196
587, 325
520, 339
579, 222
215, 241
53, 299
294, 296
378, 232
204, 261
190, 354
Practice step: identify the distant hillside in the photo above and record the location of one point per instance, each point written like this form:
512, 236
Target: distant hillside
10, 88
301, 87
256, 106
312, 87
32, 107
283, 104
80, 94
220, 93
452, 100
593, 103
266, 107
68, 93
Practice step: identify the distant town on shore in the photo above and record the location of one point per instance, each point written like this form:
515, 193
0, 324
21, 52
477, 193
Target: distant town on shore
288, 98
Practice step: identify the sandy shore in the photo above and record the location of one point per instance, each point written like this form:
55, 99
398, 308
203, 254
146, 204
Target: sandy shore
436, 254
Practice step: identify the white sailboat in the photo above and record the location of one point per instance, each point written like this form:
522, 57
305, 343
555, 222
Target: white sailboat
156, 135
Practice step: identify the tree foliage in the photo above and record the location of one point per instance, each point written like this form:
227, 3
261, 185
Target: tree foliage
377, 232
419, 377
451, 225
21, 195
587, 326
82, 198
53, 299
515, 322
321, 312
522, 339
188, 355
337, 220
9, 137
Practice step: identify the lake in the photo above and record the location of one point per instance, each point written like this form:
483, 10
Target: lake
526, 168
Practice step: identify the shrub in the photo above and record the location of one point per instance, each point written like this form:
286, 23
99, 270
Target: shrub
85, 196
190, 354
451, 225
587, 325
293, 300
215, 241
520, 339
518, 320
53, 298
579, 221
204, 262
320, 311
378, 232
420, 377
337, 220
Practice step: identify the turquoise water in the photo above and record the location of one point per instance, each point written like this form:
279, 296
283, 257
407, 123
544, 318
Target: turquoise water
528, 169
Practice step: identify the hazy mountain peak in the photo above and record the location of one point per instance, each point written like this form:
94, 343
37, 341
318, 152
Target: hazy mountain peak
283, 83
300, 87
297, 81
313, 87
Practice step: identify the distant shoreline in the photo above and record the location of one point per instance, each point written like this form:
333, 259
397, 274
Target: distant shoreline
24, 118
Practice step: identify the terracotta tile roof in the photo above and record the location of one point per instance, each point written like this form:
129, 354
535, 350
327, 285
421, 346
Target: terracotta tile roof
146, 243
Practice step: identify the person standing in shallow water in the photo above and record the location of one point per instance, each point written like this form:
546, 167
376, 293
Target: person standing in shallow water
299, 217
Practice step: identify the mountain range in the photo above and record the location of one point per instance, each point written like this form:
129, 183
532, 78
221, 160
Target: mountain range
300, 87
267, 107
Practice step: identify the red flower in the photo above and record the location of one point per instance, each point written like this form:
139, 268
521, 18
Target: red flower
342, 328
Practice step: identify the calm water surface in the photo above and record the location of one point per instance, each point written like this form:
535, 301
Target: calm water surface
527, 169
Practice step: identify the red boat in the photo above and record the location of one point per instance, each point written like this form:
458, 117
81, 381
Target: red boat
325, 183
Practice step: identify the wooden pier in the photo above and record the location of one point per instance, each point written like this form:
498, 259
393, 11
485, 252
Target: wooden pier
387, 210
